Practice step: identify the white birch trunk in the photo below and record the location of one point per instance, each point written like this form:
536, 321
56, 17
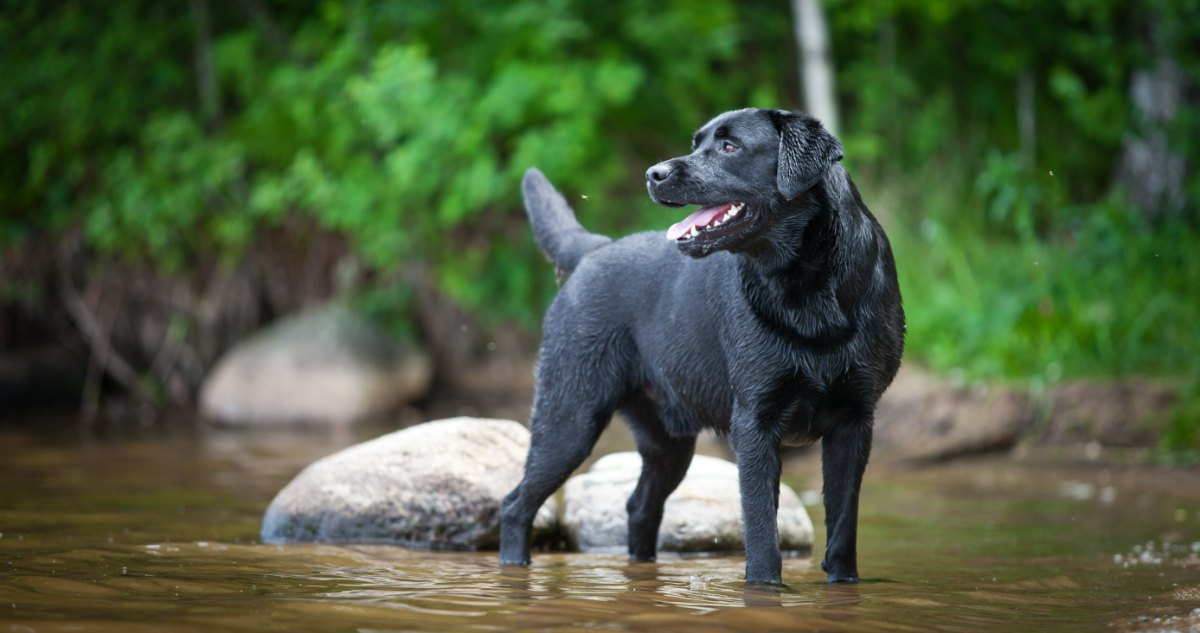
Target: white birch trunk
1027, 117
816, 62
1151, 169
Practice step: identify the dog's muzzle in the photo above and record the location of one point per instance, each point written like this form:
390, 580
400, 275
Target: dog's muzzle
659, 175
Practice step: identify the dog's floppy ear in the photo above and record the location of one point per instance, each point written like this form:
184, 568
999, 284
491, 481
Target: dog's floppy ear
806, 150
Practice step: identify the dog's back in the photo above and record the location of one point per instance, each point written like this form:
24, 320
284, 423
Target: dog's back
633, 301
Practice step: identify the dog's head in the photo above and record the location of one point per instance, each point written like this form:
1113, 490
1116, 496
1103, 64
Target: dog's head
745, 166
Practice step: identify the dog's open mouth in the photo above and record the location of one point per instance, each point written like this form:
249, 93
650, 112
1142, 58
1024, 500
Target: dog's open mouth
715, 221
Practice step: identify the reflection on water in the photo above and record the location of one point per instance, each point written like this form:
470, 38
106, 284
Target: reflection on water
156, 532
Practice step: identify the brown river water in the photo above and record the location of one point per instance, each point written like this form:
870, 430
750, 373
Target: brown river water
156, 530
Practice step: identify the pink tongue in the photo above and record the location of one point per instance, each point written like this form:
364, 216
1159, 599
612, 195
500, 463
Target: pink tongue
699, 219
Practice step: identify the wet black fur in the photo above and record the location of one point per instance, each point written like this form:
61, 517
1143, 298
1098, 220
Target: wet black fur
786, 330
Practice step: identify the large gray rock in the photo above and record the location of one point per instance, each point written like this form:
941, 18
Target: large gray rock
327, 367
435, 485
703, 515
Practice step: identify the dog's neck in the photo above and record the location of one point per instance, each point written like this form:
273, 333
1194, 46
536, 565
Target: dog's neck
805, 278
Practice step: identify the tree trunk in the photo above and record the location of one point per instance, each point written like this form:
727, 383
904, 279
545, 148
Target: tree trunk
1027, 118
1151, 169
206, 81
816, 62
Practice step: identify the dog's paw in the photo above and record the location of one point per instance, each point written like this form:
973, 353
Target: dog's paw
842, 575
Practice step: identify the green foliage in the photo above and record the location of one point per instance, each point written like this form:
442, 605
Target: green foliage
1020, 263
405, 127
189, 193
78, 83
1105, 296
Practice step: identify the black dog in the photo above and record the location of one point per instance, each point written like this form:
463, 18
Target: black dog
784, 325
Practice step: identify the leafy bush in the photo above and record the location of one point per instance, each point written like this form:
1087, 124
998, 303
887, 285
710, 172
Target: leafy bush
1104, 296
405, 127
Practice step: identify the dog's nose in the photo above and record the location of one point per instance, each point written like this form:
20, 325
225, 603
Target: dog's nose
659, 173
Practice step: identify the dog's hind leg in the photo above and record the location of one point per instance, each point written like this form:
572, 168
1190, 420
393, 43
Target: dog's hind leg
584, 369
665, 461
844, 453
562, 437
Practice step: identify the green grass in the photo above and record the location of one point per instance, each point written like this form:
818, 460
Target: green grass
1036, 293
1100, 295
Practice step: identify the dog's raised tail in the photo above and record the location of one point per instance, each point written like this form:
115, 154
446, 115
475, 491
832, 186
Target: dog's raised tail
557, 232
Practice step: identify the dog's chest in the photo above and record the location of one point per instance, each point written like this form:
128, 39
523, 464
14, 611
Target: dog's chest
688, 401
787, 392
798, 391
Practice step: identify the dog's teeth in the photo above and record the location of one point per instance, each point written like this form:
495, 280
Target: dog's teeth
735, 209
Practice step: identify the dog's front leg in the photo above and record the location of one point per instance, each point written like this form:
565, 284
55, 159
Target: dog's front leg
758, 480
844, 454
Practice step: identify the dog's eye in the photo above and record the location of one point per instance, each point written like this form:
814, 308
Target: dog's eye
728, 147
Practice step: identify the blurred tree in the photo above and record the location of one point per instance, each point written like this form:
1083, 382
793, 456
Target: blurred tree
1152, 166
816, 61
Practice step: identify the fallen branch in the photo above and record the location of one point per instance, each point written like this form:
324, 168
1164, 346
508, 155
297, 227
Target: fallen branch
95, 334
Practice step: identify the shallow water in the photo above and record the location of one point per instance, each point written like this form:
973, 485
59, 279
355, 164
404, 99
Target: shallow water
156, 530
